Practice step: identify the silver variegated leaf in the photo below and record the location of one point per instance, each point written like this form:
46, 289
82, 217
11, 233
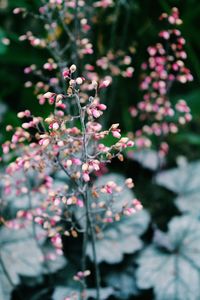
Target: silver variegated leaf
185, 182
175, 273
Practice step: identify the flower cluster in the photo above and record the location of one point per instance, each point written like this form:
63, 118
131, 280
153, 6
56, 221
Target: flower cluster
165, 66
58, 159
69, 29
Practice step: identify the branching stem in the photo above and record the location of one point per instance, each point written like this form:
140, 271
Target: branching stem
89, 219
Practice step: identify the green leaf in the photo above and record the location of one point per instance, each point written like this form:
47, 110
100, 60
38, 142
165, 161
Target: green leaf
123, 282
21, 256
173, 274
123, 237
190, 138
185, 182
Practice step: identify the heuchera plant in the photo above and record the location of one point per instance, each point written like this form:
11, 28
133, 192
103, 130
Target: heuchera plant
72, 144
164, 67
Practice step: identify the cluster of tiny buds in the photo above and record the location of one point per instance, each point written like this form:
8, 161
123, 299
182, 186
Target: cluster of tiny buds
115, 63
103, 3
57, 144
81, 275
164, 66
50, 222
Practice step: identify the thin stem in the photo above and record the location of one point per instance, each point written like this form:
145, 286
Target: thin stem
85, 198
89, 219
65, 27
93, 240
45, 264
84, 249
55, 51
76, 31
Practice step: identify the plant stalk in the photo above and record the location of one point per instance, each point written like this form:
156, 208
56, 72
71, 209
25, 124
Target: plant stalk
89, 219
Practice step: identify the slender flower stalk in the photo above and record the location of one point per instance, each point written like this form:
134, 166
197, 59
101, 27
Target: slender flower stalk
164, 67
73, 145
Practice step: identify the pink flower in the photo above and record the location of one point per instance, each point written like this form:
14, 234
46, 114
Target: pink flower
86, 177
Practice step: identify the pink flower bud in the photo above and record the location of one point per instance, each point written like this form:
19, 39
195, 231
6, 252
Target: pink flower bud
17, 10
86, 177
55, 126
102, 106
96, 113
79, 80
105, 84
116, 134
44, 142
48, 95
21, 115
85, 167
5, 148
72, 68
76, 161
130, 143
66, 73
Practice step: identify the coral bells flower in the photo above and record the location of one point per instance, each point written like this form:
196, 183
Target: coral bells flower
115, 131
57, 242
103, 3
18, 10
24, 114
61, 158
72, 68
48, 95
95, 108
105, 83
80, 275
165, 65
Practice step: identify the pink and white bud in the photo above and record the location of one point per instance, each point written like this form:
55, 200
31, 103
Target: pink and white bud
44, 142
105, 83
76, 161
85, 167
48, 95
129, 183
116, 134
72, 68
18, 10
79, 80
55, 126
21, 115
86, 177
66, 73
68, 163
96, 113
